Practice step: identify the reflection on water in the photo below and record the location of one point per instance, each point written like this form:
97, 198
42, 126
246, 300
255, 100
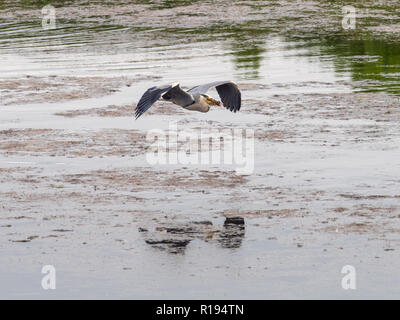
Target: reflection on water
248, 44
373, 64
232, 233
372, 60
174, 237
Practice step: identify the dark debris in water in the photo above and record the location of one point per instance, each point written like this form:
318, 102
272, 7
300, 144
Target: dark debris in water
234, 220
174, 238
233, 232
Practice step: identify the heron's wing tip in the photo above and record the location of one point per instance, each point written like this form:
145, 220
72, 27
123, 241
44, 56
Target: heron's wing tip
149, 98
230, 95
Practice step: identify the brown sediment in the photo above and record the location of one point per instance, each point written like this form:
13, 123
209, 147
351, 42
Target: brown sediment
143, 178
354, 228
262, 213
122, 111
377, 107
301, 16
368, 197
39, 142
34, 89
110, 111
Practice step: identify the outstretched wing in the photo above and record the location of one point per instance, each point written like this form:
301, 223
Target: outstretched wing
227, 90
172, 92
150, 97
178, 96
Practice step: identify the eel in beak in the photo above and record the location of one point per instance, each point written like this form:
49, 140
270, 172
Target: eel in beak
213, 102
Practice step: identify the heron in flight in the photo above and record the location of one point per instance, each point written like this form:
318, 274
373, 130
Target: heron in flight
194, 99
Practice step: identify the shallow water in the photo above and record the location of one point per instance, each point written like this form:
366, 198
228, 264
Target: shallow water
322, 194
241, 47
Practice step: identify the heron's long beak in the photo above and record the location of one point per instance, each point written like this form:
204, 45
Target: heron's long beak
213, 102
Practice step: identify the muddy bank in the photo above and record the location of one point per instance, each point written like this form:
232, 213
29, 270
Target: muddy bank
282, 16
33, 89
55, 143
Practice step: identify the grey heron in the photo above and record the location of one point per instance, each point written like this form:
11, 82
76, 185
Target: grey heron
194, 99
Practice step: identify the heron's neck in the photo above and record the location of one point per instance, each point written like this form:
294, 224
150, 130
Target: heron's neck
205, 106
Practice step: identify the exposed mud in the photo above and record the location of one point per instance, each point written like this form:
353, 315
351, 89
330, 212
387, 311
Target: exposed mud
77, 191
55, 89
143, 178
122, 111
111, 111
302, 15
55, 143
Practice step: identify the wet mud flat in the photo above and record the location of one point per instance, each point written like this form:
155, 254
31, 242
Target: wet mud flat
321, 196
77, 191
